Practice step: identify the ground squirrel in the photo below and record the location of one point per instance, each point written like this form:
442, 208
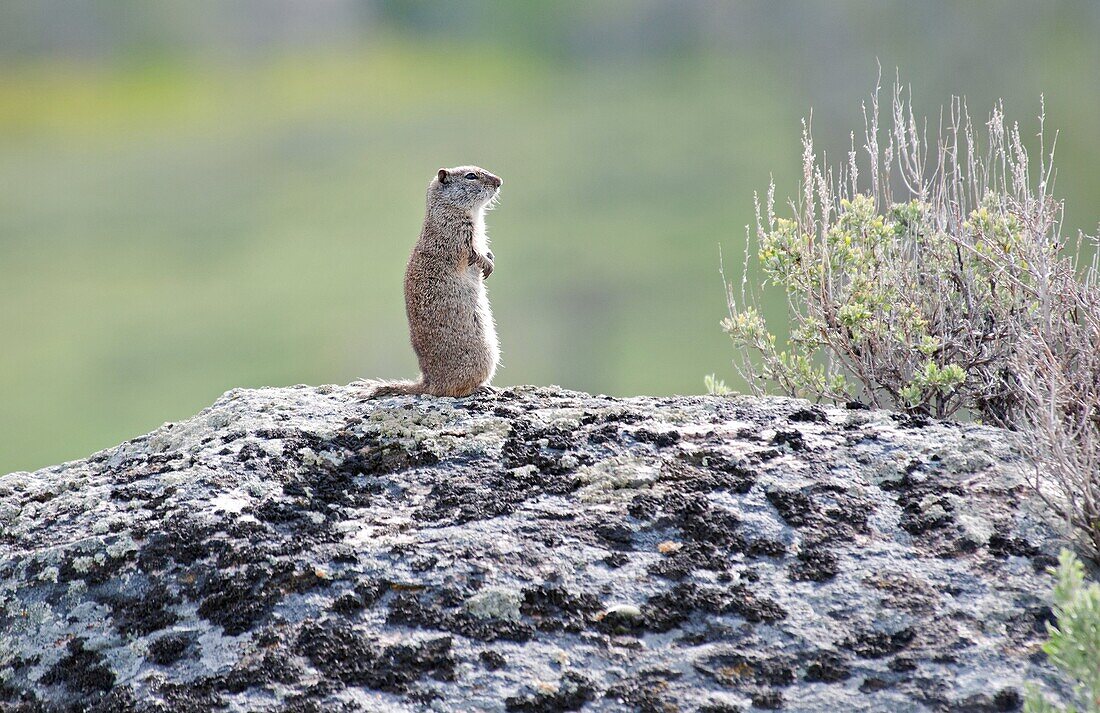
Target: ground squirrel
450, 324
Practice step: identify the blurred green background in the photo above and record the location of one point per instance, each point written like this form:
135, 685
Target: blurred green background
201, 195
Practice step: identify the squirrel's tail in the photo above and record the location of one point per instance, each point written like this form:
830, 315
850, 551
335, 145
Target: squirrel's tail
405, 387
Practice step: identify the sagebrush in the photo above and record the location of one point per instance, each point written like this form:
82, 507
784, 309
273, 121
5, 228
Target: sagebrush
933, 277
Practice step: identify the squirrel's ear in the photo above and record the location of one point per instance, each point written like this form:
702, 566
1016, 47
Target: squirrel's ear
442, 175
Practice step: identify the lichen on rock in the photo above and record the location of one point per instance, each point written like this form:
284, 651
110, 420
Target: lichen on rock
532, 549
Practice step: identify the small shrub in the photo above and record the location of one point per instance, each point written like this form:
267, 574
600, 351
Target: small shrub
1074, 643
908, 292
716, 386
939, 283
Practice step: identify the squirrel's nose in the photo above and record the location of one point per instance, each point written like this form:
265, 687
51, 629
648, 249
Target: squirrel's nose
495, 180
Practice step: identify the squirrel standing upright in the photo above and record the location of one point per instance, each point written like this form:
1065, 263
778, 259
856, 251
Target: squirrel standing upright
450, 324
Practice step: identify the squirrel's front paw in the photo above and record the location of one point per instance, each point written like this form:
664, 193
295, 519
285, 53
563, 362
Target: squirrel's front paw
487, 266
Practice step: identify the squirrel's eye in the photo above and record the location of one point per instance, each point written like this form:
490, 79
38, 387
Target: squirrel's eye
471, 176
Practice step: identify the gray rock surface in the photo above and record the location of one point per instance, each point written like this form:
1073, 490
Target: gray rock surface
530, 550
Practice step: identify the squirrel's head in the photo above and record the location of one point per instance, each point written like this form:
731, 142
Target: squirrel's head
464, 187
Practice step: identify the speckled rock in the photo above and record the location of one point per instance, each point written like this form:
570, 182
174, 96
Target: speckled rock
534, 549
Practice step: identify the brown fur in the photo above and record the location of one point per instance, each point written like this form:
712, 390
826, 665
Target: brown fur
450, 324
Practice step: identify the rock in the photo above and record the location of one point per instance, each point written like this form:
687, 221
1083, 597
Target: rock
533, 549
